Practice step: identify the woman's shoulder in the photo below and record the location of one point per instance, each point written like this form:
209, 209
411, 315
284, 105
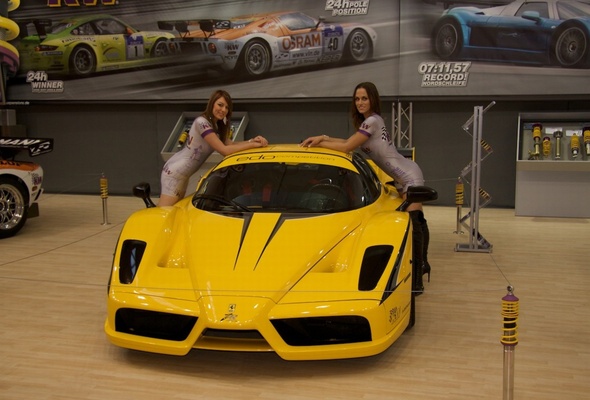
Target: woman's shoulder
202, 123
374, 118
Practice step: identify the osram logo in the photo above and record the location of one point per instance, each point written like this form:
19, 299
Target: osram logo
77, 3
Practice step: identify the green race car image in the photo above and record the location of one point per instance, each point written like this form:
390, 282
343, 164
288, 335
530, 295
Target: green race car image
81, 46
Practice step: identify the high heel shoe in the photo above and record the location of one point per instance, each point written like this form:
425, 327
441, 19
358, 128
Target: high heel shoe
426, 269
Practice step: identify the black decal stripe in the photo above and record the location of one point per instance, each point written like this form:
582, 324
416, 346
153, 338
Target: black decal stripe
390, 288
247, 220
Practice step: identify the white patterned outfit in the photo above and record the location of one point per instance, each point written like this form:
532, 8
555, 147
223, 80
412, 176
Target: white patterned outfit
381, 150
183, 164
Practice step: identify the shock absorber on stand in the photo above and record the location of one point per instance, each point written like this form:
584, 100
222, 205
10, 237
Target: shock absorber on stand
575, 146
586, 136
558, 135
534, 155
182, 138
104, 194
459, 199
546, 147
509, 340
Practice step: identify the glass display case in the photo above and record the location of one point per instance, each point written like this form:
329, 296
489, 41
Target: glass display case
553, 164
239, 122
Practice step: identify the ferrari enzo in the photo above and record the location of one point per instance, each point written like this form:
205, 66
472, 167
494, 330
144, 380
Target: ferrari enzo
257, 44
550, 32
304, 252
81, 46
20, 183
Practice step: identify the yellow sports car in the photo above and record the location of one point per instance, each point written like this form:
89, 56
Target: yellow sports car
302, 251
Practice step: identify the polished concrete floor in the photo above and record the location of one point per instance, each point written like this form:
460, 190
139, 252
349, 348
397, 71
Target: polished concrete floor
53, 277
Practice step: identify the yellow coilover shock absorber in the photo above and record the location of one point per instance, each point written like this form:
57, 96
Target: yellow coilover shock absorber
9, 30
537, 130
586, 136
104, 194
509, 340
459, 199
575, 146
546, 147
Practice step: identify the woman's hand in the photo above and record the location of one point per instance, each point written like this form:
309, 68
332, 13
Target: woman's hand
260, 140
313, 141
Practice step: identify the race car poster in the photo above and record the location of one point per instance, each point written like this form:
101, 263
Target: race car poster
182, 50
175, 50
495, 48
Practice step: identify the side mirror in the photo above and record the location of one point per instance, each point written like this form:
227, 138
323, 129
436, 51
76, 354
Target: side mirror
418, 194
142, 190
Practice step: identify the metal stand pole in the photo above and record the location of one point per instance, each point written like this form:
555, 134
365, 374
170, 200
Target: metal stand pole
476, 243
104, 194
509, 340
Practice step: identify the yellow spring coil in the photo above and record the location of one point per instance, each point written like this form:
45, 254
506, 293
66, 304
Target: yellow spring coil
104, 187
9, 30
586, 136
546, 146
537, 131
459, 191
509, 319
182, 138
485, 195
486, 146
575, 145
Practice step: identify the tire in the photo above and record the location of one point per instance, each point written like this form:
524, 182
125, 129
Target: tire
447, 40
570, 47
255, 60
359, 47
14, 206
82, 62
160, 49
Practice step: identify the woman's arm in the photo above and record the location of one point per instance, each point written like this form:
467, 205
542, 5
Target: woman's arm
344, 145
230, 147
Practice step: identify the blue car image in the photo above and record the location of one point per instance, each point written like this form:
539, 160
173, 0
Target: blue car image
550, 32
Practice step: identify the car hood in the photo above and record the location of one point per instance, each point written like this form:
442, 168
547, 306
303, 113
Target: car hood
261, 253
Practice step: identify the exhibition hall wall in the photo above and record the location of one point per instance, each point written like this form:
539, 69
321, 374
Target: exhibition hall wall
124, 141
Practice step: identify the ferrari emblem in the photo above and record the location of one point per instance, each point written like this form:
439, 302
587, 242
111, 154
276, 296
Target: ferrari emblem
230, 316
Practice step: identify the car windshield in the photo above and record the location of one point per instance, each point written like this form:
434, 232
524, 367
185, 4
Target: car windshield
572, 10
296, 21
60, 26
283, 187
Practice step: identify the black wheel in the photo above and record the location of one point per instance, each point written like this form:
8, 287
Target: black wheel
160, 49
358, 46
570, 48
255, 59
447, 40
14, 205
82, 61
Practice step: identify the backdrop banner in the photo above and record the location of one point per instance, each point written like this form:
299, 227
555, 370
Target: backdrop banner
177, 50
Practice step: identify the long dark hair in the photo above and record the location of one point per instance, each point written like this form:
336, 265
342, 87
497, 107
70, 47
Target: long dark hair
373, 93
222, 127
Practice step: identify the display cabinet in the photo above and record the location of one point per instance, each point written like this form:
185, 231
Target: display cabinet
239, 122
553, 164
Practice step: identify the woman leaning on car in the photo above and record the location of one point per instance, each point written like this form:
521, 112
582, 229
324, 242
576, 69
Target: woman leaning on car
209, 132
374, 140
